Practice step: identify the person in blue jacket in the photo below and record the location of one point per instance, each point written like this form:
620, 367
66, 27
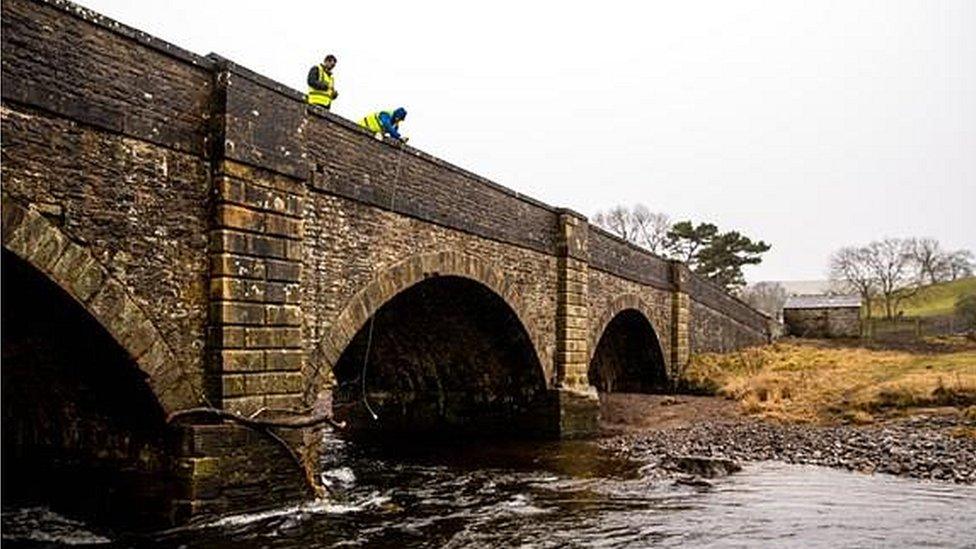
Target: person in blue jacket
383, 123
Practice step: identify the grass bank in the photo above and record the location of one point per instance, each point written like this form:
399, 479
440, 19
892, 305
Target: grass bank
824, 382
934, 300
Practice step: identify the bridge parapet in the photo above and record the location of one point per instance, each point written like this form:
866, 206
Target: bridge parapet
614, 255
720, 321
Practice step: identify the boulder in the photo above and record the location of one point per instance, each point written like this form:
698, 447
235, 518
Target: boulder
702, 466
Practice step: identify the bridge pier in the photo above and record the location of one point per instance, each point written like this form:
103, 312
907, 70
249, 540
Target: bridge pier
256, 350
579, 405
255, 297
680, 319
222, 468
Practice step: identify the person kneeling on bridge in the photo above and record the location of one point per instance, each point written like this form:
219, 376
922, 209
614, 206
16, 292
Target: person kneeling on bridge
385, 123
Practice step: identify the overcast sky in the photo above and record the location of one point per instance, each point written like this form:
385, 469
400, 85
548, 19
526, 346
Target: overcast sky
810, 125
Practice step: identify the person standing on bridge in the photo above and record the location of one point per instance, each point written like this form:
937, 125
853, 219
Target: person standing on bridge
385, 123
321, 83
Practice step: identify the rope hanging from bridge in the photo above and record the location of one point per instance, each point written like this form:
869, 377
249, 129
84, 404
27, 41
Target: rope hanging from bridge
372, 318
362, 380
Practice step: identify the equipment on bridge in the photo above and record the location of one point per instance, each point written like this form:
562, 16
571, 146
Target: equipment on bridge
382, 123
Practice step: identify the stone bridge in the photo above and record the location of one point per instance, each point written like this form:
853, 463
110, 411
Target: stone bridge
179, 231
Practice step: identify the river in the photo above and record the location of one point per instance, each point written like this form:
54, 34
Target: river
559, 494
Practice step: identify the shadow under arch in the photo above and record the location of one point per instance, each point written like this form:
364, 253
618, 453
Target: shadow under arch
628, 356
83, 431
445, 356
403, 275
36, 241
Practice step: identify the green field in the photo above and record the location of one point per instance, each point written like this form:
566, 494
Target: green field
935, 300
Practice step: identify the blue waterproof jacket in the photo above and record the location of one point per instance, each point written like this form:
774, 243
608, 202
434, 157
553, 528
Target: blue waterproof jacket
389, 127
388, 123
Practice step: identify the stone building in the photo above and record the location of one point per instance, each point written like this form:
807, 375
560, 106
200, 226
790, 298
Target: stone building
823, 315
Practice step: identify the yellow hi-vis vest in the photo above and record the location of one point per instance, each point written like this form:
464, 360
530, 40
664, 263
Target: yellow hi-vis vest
372, 121
322, 97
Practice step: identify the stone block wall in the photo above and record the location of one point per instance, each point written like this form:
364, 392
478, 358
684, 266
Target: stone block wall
63, 59
118, 174
614, 255
611, 294
347, 162
255, 289
118, 184
720, 322
379, 216
572, 313
225, 468
825, 322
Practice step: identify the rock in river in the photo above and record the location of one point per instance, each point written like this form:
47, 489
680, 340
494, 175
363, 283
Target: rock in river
702, 466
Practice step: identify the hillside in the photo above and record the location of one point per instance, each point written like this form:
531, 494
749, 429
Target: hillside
937, 299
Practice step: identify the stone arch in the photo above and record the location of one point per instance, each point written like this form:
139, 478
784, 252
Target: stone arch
44, 246
618, 305
401, 276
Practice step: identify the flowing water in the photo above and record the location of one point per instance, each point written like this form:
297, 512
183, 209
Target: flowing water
558, 495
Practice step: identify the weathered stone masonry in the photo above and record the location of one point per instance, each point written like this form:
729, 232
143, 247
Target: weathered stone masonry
235, 241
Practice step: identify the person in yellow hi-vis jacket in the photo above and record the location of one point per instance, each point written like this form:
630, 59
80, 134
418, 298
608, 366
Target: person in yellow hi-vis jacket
383, 123
321, 83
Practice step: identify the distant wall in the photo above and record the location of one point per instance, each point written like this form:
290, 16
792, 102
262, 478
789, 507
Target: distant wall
823, 322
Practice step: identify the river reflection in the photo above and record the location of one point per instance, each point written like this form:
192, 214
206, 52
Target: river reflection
574, 494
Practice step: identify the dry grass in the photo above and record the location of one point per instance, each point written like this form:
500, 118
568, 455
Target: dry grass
812, 381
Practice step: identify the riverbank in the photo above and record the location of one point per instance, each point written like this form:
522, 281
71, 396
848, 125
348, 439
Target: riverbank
840, 381
936, 444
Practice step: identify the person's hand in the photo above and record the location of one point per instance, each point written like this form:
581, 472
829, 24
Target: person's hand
335, 94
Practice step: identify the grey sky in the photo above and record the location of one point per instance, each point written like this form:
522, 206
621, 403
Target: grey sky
811, 125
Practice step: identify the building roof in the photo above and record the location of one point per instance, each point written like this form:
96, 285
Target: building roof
821, 301
811, 287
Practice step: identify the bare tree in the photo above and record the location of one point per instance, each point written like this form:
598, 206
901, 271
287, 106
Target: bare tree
768, 297
638, 225
930, 258
959, 264
850, 266
651, 228
617, 221
938, 265
893, 266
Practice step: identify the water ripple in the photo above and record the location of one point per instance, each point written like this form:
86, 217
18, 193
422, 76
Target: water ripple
529, 499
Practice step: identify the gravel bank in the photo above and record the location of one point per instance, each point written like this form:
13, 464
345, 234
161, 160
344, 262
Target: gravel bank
920, 446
